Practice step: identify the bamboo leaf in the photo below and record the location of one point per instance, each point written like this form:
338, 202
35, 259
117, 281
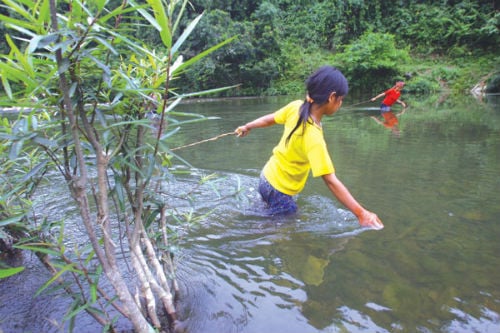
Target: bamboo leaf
146, 15
118, 11
133, 46
185, 34
12, 72
41, 41
163, 22
54, 278
23, 59
179, 16
93, 292
6, 85
131, 122
170, 133
45, 142
15, 149
20, 9
43, 13
209, 91
15, 23
33, 172
45, 249
14, 220
19, 25
85, 9
120, 192
99, 64
10, 271
151, 166
203, 54
106, 45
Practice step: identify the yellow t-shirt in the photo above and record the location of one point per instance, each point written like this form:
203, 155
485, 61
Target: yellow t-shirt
288, 168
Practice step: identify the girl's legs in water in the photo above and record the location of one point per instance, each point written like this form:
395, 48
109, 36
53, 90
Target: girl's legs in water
277, 203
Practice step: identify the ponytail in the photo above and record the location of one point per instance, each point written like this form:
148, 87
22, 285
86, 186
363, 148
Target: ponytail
304, 113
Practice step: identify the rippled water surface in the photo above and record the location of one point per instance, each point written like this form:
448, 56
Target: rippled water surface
434, 180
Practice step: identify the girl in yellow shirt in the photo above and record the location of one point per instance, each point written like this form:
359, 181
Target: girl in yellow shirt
302, 148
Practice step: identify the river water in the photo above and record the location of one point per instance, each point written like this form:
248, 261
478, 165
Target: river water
434, 180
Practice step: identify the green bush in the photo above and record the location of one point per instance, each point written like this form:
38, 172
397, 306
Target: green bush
422, 85
445, 73
372, 61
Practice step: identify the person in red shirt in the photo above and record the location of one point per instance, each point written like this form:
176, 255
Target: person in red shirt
391, 96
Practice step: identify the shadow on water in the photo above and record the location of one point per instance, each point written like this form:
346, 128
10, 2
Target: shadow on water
433, 268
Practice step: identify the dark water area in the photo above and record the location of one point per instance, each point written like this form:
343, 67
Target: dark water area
434, 180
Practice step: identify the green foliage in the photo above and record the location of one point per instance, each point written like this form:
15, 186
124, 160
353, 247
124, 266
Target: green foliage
10, 271
103, 107
422, 85
246, 62
297, 63
372, 60
330, 24
429, 28
453, 28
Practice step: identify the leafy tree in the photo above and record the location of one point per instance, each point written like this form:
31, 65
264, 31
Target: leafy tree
221, 67
440, 28
249, 61
102, 106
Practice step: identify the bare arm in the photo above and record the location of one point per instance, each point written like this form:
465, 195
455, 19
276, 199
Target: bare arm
365, 217
263, 121
378, 96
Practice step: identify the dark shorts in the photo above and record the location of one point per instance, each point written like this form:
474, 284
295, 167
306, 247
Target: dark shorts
277, 203
384, 108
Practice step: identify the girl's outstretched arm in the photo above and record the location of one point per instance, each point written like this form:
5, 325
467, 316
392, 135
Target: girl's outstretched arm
378, 96
263, 121
365, 217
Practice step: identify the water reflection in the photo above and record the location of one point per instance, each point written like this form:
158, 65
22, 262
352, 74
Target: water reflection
390, 120
434, 268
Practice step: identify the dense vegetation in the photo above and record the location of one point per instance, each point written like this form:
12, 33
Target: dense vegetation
281, 41
96, 107
438, 43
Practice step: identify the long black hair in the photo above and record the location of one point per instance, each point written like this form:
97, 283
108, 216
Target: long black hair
320, 85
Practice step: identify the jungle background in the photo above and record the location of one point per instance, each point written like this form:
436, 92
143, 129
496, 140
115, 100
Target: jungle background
439, 44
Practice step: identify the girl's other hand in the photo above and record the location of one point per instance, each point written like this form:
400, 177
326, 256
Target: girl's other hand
370, 220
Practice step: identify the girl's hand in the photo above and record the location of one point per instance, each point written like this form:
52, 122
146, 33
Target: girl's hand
370, 220
242, 131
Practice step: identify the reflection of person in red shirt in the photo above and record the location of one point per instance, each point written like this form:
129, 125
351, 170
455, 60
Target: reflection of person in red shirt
390, 120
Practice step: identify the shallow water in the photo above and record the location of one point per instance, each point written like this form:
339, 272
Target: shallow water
434, 181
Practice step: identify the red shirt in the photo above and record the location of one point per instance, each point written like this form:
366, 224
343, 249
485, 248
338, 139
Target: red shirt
391, 96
